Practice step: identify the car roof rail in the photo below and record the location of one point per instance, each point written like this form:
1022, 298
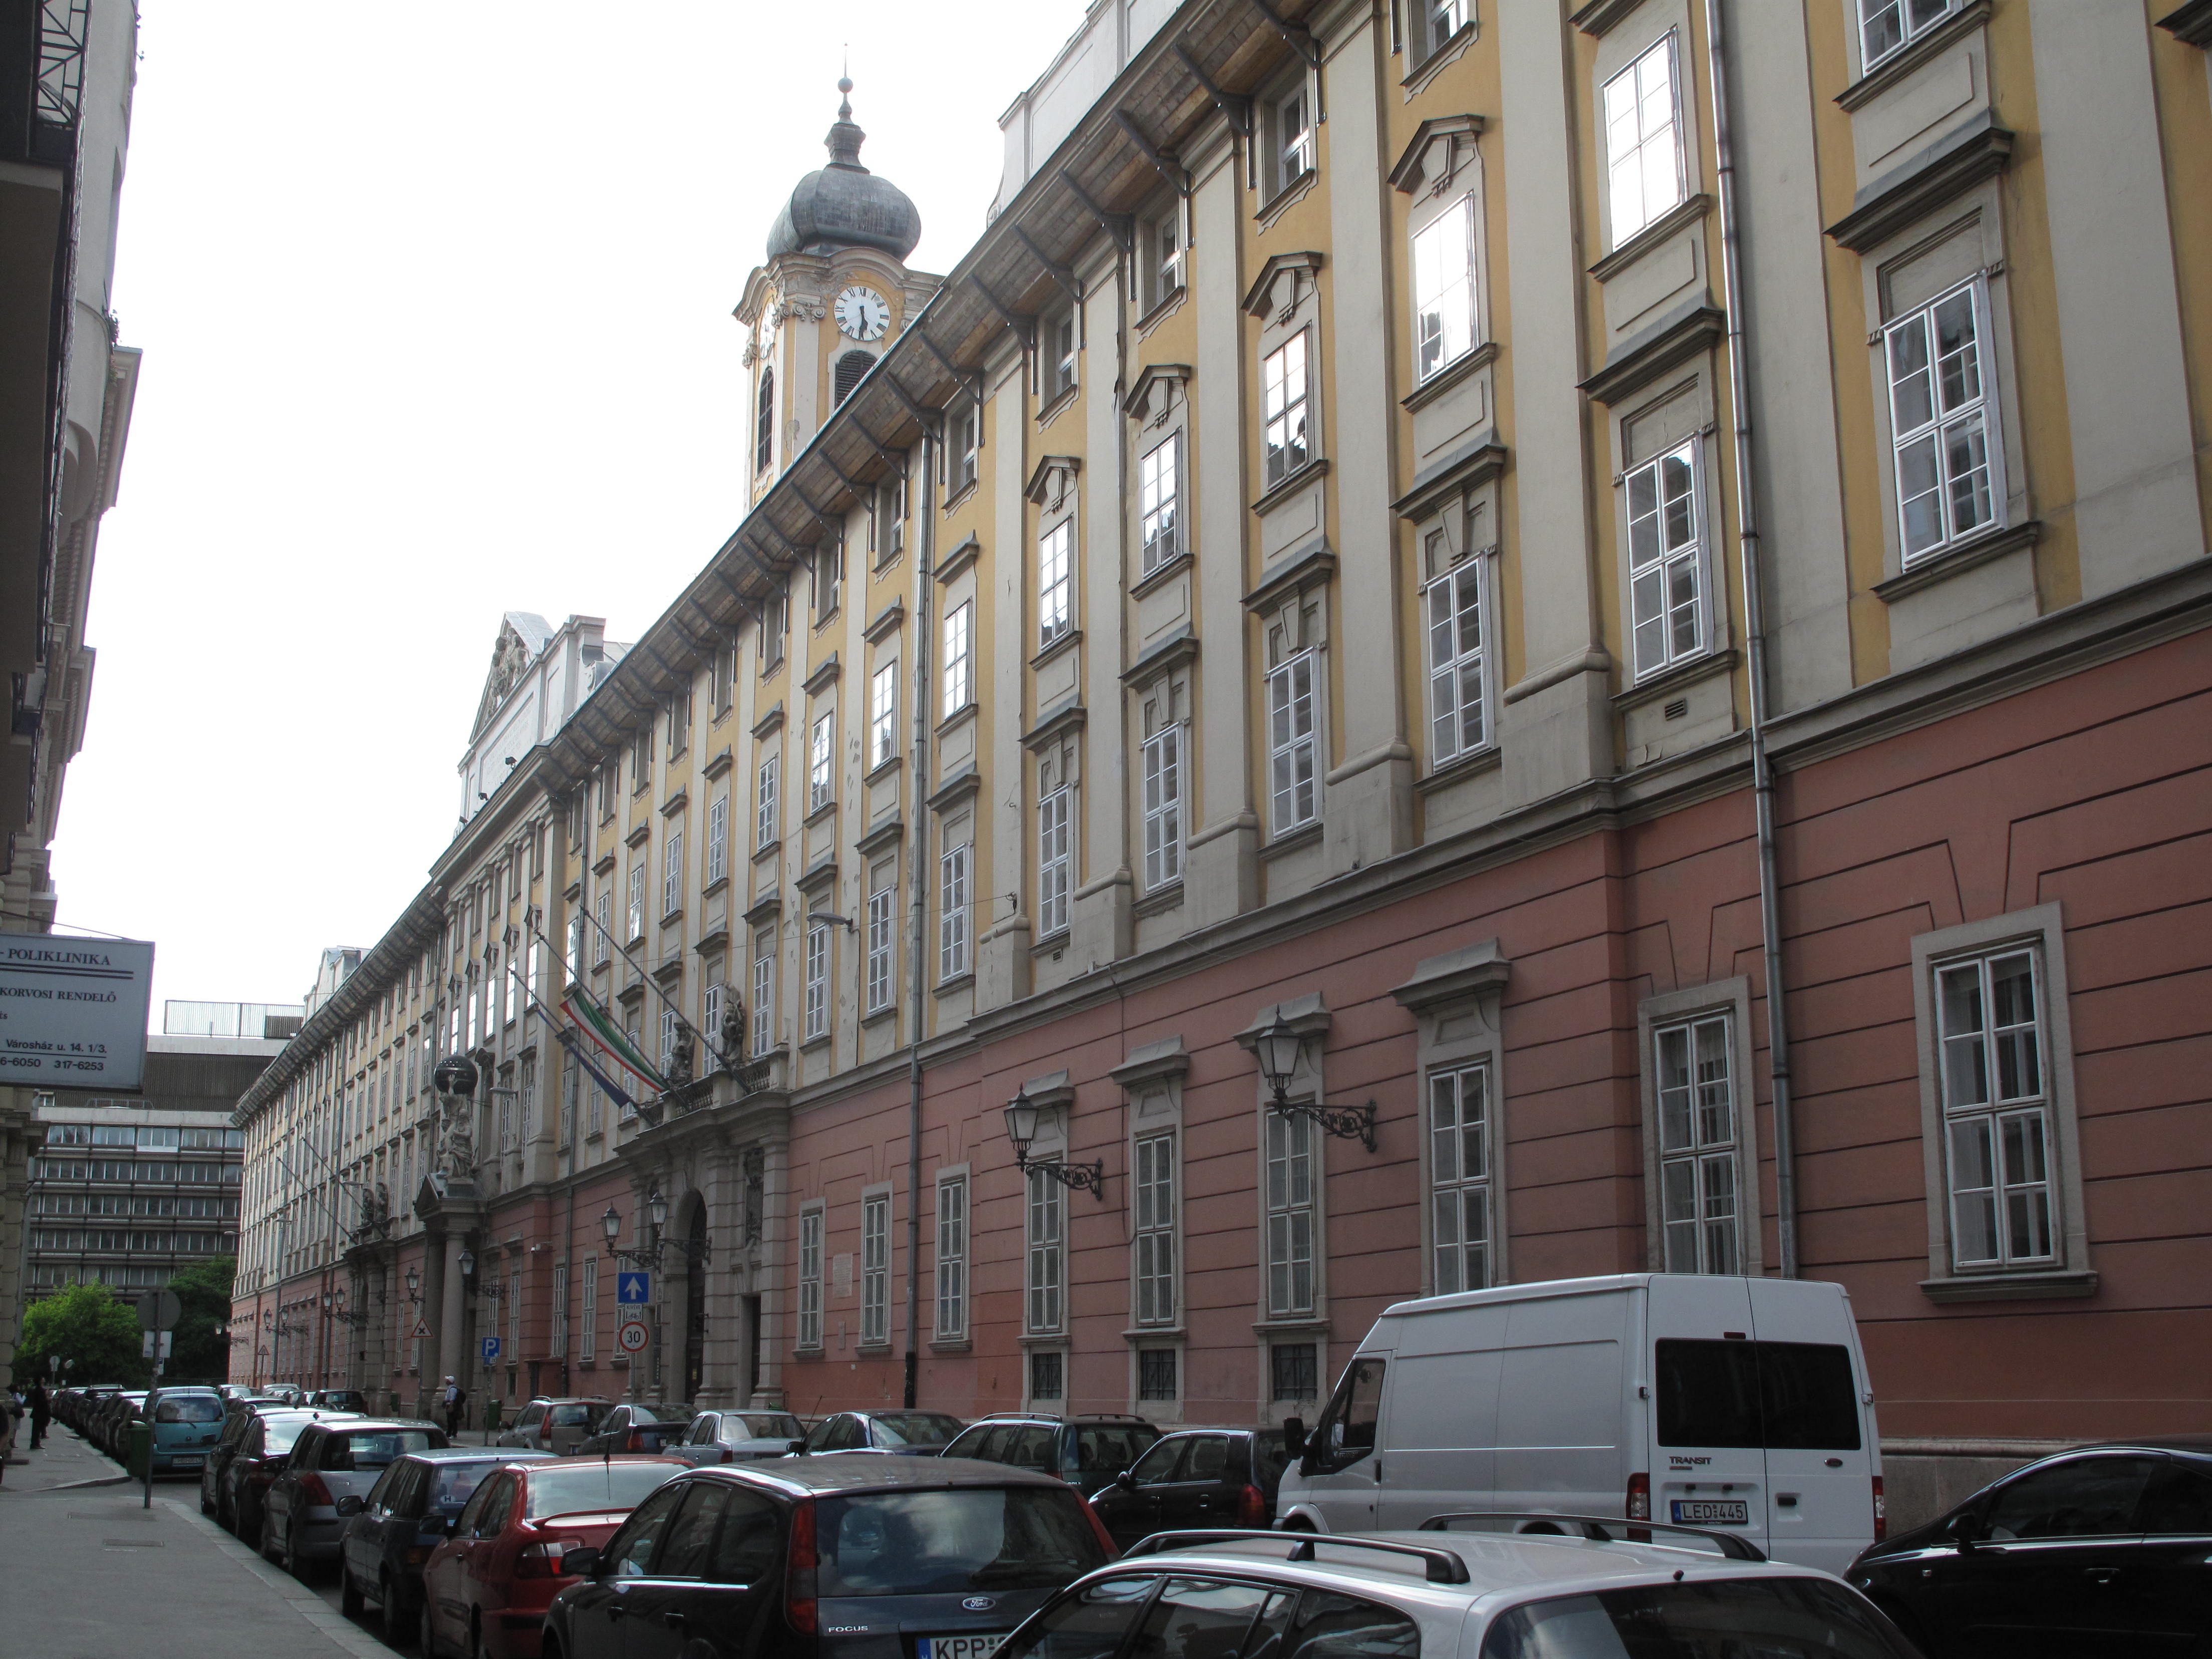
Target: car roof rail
1601, 1528
1442, 1566
1112, 1417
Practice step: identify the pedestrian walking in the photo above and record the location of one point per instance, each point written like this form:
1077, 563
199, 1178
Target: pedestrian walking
456, 1398
42, 1412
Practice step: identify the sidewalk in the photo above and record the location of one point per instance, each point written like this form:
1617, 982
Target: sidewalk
92, 1575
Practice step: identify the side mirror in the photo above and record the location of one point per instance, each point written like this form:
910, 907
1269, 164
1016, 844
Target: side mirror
1294, 1436
1126, 1479
350, 1506
579, 1563
796, 1447
1965, 1529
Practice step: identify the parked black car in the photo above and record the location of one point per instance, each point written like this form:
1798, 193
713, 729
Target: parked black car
1200, 1477
638, 1426
1086, 1451
389, 1533
827, 1556
239, 1419
2104, 1550
916, 1434
251, 1465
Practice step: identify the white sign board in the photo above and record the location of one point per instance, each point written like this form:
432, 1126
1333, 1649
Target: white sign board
73, 1011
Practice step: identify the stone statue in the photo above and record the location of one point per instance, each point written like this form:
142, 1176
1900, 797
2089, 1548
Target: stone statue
733, 1033
457, 1158
681, 1058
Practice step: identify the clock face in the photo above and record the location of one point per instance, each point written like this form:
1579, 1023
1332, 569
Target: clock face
863, 313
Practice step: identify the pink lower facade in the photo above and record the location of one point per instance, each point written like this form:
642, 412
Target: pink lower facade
2029, 880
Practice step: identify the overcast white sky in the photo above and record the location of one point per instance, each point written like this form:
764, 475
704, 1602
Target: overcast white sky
435, 296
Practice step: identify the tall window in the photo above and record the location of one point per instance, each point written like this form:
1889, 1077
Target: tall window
1294, 138
876, 1269
821, 760
668, 1028
1443, 288
1044, 1274
1290, 745
1055, 863
952, 911
718, 840
1696, 1147
1155, 1237
1440, 21
587, 1345
1167, 250
765, 991
764, 422
671, 874
1290, 1213
1164, 806
1159, 476
560, 1311
827, 573
726, 677
637, 917
1283, 407
1996, 1116
1942, 421
818, 978
765, 809
1457, 722
966, 444
513, 1317
1885, 25
1459, 1176
1644, 141
1059, 375
602, 947
951, 1258
892, 501
959, 660
710, 1014
1666, 561
882, 936
809, 1279
883, 715
1055, 581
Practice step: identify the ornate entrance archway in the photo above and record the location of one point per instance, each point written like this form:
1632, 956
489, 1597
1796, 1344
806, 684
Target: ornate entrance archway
694, 1303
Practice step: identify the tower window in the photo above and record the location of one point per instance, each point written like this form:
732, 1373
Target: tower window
764, 423
850, 368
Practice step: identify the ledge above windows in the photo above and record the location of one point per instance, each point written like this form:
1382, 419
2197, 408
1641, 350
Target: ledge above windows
2191, 24
885, 622
1064, 720
1260, 298
1952, 166
1289, 485
770, 722
1651, 236
884, 835
1411, 171
1293, 574
1151, 380
959, 559
961, 786
1450, 376
1466, 468
1666, 344
1957, 558
823, 677
720, 763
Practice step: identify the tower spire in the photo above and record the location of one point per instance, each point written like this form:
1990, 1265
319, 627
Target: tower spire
845, 139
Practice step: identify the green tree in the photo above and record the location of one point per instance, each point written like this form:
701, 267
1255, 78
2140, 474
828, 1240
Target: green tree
200, 1352
88, 1325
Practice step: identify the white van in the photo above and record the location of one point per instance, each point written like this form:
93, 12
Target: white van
1737, 1404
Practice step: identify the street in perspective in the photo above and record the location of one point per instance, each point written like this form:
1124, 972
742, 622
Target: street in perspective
1389, 838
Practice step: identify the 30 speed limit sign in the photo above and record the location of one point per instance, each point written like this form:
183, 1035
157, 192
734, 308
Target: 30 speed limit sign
631, 1337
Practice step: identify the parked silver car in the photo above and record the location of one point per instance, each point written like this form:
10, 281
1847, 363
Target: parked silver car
300, 1521
738, 1438
556, 1425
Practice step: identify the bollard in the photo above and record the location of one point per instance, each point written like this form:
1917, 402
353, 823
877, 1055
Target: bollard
142, 1456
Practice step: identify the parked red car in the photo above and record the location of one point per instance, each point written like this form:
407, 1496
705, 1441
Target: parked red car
485, 1589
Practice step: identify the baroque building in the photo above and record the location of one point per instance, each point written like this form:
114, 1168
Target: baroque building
1475, 641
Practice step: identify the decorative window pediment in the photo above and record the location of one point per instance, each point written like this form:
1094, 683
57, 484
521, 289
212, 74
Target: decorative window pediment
1433, 155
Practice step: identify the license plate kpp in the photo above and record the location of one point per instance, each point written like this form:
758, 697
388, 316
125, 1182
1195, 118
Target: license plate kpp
981, 1646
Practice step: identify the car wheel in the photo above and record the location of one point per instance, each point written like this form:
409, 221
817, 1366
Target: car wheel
426, 1637
293, 1561
476, 1641
351, 1601
206, 1508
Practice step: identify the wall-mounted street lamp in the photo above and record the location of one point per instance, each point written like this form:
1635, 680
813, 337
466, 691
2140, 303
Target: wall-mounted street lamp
648, 1254
414, 1286
468, 1261
1021, 1116
1278, 1047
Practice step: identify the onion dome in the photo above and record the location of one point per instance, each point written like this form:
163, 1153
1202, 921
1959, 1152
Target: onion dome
844, 204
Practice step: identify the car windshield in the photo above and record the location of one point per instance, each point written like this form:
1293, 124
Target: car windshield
279, 1434
590, 1486
765, 1426
455, 1482
916, 1428
975, 1538
577, 1416
663, 1413
1803, 1617
1108, 1452
194, 1408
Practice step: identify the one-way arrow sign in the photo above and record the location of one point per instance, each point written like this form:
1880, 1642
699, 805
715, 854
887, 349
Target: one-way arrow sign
633, 1287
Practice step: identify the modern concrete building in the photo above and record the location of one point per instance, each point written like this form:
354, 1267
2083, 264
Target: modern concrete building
1625, 585
67, 68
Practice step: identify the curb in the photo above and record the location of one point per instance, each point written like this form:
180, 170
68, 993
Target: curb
103, 1481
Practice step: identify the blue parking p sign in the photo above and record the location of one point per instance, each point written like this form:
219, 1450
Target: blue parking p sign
491, 1349
633, 1287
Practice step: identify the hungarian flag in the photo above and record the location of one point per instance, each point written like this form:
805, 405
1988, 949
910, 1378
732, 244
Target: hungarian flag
597, 1027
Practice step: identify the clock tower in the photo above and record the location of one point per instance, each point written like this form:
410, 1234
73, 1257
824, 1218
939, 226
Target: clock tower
834, 294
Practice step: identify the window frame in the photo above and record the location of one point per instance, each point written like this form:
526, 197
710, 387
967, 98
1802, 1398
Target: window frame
765, 420
1728, 998
1056, 581
1308, 661
882, 971
883, 715
1986, 406
1044, 1254
717, 839
949, 1261
1161, 804
956, 882
1159, 503
768, 810
1464, 208
816, 1004
1908, 31
1670, 45
1293, 410
671, 874
876, 1267
1155, 1246
958, 685
1295, 1132
822, 762
1454, 670
1286, 142
1055, 861
1692, 457
764, 986
1460, 1186
806, 1311
588, 1334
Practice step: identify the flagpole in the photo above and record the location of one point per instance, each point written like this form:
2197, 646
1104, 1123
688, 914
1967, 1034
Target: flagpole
576, 982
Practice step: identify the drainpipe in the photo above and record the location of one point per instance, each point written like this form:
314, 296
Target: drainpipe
1762, 766
925, 573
